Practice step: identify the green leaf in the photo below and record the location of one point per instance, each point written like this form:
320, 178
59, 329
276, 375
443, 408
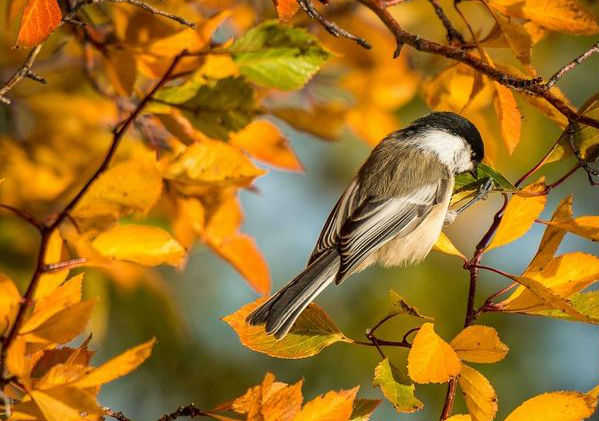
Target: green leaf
219, 108
586, 138
400, 306
397, 388
586, 303
312, 332
466, 185
363, 409
278, 56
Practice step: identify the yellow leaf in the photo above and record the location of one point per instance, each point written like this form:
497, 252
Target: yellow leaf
62, 297
117, 367
555, 406
312, 332
15, 358
48, 282
517, 37
63, 326
121, 69
459, 417
265, 142
556, 15
131, 186
372, 124
60, 374
550, 298
189, 220
212, 164
331, 117
552, 237
142, 244
444, 245
66, 404
479, 344
431, 359
510, 119
585, 226
480, 396
564, 276
520, 215
333, 406
9, 301
452, 90
400, 306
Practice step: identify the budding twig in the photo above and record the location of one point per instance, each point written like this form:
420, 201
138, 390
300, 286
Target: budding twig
574, 63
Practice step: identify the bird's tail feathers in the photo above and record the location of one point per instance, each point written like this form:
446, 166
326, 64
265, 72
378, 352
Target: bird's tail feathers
281, 311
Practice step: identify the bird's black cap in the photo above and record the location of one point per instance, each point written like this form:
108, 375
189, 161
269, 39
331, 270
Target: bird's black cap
457, 125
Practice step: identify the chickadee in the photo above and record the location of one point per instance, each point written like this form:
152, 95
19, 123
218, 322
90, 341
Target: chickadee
392, 212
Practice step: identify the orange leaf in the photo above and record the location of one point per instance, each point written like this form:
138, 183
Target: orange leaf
480, 396
264, 141
239, 249
40, 18
333, 406
286, 9
510, 119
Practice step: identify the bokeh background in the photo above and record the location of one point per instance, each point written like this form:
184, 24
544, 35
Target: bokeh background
198, 358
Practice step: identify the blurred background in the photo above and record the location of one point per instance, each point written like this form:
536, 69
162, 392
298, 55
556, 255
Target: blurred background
199, 359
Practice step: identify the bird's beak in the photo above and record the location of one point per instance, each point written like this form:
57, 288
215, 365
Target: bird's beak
474, 173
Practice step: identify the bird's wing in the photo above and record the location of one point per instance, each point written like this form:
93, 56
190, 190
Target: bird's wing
329, 236
378, 220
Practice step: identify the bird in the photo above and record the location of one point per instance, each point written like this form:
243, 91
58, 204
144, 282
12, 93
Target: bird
392, 212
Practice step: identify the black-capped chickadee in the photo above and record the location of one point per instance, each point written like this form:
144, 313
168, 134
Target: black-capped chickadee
392, 212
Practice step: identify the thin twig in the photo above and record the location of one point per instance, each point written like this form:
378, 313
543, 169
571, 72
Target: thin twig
67, 264
30, 219
452, 33
117, 415
574, 63
136, 3
23, 71
331, 27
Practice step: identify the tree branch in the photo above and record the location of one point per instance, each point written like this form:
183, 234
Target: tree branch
574, 63
331, 27
528, 86
47, 230
452, 33
23, 71
30, 219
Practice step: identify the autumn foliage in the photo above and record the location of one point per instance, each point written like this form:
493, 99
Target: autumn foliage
155, 116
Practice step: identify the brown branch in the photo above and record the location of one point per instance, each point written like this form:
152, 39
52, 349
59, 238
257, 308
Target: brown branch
528, 86
23, 71
30, 219
331, 27
136, 3
574, 63
452, 33
67, 264
47, 230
